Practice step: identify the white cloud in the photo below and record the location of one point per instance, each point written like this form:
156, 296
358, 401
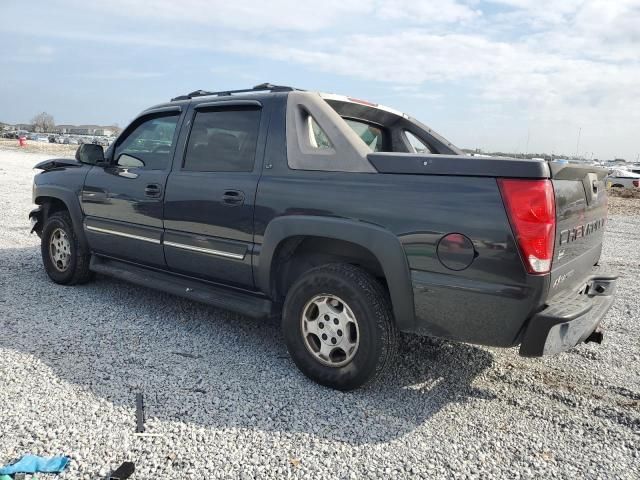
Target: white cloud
560, 64
426, 12
121, 74
253, 16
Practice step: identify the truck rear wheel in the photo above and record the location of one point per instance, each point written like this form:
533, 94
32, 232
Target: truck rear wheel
338, 326
63, 259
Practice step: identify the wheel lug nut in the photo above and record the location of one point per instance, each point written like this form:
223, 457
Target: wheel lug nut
321, 325
333, 340
335, 320
339, 333
326, 317
324, 336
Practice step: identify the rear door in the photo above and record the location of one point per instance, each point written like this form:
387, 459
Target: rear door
210, 196
581, 212
123, 201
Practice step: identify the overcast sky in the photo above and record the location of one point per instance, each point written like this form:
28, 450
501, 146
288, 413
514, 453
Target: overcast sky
488, 74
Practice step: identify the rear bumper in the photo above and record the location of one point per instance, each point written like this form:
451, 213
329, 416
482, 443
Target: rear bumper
569, 318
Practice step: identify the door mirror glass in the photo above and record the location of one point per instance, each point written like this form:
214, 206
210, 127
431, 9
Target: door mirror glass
90, 154
128, 161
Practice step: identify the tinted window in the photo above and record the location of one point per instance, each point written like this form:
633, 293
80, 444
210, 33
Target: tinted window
317, 137
370, 134
150, 142
417, 145
223, 141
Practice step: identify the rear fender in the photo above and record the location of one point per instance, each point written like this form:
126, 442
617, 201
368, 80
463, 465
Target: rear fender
383, 244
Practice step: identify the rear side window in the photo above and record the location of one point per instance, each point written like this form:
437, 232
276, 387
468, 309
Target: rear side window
370, 134
417, 145
317, 137
223, 141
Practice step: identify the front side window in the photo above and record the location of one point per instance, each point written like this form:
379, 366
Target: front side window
223, 141
370, 134
149, 145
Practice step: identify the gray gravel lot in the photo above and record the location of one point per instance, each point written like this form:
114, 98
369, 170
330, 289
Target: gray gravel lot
224, 400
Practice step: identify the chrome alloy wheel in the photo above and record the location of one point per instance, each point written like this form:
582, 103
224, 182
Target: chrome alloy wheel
330, 330
60, 249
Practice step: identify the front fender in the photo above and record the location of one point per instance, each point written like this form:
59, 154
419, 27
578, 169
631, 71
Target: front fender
383, 244
70, 199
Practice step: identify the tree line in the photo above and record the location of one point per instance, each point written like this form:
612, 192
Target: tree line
44, 122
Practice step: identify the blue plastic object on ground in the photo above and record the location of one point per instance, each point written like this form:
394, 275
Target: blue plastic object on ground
36, 464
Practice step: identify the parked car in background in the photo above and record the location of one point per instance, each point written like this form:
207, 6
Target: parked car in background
103, 141
71, 141
623, 179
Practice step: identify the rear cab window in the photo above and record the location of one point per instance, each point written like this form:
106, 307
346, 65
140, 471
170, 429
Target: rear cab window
372, 135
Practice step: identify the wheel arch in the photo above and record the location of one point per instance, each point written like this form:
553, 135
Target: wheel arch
381, 246
53, 199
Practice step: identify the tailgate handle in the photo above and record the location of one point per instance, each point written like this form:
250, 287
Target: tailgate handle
590, 183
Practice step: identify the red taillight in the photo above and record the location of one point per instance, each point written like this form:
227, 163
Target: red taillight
531, 209
636, 183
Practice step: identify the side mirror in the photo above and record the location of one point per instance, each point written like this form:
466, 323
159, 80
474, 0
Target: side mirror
90, 154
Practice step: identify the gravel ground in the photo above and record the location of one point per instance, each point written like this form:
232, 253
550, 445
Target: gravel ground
50, 149
223, 399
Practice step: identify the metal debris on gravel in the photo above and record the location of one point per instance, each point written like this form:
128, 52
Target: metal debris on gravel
223, 400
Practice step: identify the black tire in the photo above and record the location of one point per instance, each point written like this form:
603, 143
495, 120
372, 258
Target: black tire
370, 304
77, 271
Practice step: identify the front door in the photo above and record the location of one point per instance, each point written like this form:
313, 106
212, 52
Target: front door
123, 201
210, 195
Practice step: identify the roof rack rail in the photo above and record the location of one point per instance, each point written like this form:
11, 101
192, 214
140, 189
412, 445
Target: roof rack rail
263, 87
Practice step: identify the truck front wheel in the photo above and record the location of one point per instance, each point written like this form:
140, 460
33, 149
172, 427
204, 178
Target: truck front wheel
62, 257
338, 326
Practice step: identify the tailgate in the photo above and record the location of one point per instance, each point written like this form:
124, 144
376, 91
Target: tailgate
581, 211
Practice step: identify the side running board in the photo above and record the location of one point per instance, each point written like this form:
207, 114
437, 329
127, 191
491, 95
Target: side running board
228, 299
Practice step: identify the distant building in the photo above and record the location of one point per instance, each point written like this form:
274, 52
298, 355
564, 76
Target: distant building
104, 131
63, 128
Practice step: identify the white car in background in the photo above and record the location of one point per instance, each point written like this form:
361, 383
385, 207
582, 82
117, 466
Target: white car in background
623, 178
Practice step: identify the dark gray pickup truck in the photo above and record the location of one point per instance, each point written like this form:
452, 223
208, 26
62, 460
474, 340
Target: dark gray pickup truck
350, 220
